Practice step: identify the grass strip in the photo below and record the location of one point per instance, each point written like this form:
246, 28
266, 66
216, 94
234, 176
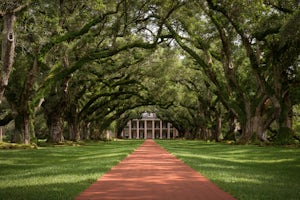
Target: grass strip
247, 172
58, 172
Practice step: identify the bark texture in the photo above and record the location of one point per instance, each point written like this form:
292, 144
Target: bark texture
55, 125
8, 50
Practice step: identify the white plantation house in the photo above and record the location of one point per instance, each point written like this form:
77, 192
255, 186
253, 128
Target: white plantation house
149, 127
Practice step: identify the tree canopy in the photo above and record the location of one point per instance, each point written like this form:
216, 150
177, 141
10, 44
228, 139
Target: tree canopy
215, 69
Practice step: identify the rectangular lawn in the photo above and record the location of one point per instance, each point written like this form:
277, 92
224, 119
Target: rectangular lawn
247, 172
58, 172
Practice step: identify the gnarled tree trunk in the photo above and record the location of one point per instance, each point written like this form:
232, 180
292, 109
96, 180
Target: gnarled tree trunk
22, 129
255, 126
55, 124
74, 133
255, 123
285, 121
8, 50
54, 108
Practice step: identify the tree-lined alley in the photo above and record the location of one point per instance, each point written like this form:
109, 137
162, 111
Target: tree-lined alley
215, 69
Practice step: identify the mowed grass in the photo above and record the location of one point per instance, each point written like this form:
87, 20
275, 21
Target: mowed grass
58, 172
247, 172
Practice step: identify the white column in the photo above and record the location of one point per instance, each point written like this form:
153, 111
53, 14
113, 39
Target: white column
137, 129
160, 129
153, 129
168, 130
129, 130
145, 129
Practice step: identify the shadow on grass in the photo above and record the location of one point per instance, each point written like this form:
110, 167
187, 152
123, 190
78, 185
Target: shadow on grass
247, 172
55, 191
57, 173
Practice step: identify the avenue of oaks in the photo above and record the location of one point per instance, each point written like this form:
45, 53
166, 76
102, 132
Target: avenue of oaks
214, 69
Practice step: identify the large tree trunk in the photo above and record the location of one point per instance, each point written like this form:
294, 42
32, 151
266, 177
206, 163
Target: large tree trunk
259, 127
205, 133
54, 109
282, 111
55, 124
218, 129
284, 120
23, 120
254, 126
8, 50
73, 124
22, 129
55, 106
74, 133
26, 133
246, 131
255, 123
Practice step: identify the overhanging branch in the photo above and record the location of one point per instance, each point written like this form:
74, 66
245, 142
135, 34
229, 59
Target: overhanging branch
8, 118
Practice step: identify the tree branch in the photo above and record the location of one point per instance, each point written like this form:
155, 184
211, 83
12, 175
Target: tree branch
246, 42
73, 35
22, 7
278, 7
8, 118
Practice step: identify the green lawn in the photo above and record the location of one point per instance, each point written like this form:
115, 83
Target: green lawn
57, 172
247, 172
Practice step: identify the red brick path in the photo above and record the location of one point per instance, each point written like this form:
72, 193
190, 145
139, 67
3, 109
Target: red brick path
151, 172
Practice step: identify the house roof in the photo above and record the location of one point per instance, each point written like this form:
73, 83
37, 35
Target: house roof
148, 115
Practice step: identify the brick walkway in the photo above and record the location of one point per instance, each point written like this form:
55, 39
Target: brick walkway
151, 172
